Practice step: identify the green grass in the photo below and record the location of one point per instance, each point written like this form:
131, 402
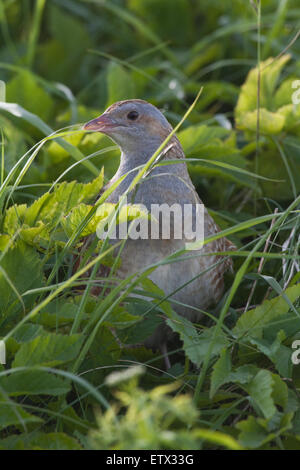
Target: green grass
71, 379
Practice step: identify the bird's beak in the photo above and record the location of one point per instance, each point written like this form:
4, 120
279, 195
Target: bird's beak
102, 123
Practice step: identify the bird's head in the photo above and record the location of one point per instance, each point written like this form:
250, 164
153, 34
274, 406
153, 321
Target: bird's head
133, 124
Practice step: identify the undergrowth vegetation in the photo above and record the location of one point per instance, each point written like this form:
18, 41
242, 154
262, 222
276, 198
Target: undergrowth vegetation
71, 379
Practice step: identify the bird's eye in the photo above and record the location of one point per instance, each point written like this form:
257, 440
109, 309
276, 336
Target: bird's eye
132, 115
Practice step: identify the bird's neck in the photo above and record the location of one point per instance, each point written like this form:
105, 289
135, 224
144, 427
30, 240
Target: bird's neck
129, 163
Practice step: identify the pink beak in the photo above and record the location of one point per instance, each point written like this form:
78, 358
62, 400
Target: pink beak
102, 123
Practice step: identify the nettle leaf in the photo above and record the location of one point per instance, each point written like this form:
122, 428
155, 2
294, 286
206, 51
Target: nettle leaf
35, 235
57, 313
252, 322
13, 218
141, 326
196, 344
120, 318
27, 332
44, 214
42, 210
48, 350
33, 382
222, 373
72, 222
91, 190
120, 85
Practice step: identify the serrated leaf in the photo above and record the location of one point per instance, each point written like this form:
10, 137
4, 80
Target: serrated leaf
48, 350
196, 344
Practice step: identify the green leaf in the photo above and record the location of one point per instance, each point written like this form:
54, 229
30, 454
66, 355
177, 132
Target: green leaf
269, 70
13, 218
57, 313
253, 434
221, 371
58, 153
279, 354
12, 414
253, 321
280, 391
50, 207
48, 350
196, 344
40, 441
27, 332
195, 137
243, 374
72, 222
269, 123
141, 326
31, 382
260, 389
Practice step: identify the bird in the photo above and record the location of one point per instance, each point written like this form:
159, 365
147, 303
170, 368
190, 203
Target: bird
195, 282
